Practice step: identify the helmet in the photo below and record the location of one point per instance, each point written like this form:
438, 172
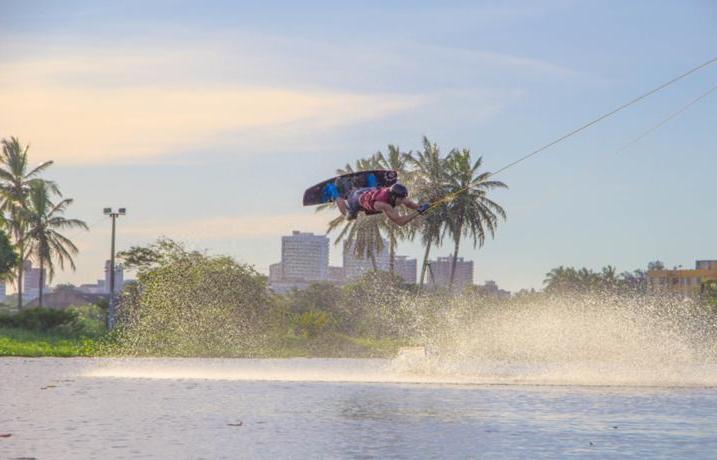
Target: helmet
399, 190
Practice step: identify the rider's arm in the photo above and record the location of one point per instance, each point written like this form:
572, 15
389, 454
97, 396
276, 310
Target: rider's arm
392, 214
410, 204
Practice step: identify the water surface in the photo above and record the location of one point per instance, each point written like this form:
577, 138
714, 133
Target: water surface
322, 408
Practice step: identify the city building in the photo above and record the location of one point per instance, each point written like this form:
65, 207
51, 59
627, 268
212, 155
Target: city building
275, 273
355, 267
686, 282
710, 265
439, 272
406, 268
31, 281
336, 275
97, 288
63, 298
103, 286
304, 259
491, 289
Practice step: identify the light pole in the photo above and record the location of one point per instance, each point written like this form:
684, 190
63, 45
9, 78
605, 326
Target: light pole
111, 309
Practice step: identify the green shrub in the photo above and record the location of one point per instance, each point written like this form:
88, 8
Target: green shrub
311, 323
377, 305
91, 320
709, 294
191, 304
40, 319
6, 309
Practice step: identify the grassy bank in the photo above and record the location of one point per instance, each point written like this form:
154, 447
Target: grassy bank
76, 331
22, 342
80, 331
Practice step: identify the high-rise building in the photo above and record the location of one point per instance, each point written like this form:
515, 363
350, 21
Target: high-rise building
119, 277
31, 281
304, 257
275, 272
406, 268
355, 267
440, 272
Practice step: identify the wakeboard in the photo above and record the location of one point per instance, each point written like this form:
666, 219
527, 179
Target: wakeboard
340, 186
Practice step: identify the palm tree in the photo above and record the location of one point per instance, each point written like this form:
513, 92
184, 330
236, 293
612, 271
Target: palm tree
363, 233
363, 237
429, 181
16, 180
397, 161
635, 280
587, 280
560, 279
469, 211
609, 278
44, 221
655, 265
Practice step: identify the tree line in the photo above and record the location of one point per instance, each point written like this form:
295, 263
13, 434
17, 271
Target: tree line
454, 181
570, 280
189, 303
32, 221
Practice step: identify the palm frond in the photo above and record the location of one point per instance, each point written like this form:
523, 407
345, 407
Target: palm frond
37, 170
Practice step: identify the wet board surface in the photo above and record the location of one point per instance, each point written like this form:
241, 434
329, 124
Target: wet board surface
330, 189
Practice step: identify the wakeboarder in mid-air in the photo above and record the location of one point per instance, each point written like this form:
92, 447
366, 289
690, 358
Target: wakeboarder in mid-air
377, 200
373, 192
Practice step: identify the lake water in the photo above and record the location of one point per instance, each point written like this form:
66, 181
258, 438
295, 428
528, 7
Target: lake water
342, 408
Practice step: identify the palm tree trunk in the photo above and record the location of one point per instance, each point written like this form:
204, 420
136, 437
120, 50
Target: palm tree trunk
425, 262
42, 281
20, 269
391, 252
455, 260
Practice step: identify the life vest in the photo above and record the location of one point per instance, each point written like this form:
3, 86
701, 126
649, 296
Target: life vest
368, 199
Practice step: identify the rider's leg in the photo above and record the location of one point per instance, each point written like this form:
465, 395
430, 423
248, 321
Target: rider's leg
341, 203
352, 204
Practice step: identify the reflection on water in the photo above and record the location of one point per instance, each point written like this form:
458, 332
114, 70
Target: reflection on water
309, 408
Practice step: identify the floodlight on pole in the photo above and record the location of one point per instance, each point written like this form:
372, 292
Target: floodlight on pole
111, 310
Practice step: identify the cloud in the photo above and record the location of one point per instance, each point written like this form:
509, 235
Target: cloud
45, 103
98, 126
502, 62
138, 102
232, 227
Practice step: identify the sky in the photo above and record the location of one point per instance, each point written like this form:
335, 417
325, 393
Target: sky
207, 120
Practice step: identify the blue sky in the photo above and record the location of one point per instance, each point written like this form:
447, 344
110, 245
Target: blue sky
208, 119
